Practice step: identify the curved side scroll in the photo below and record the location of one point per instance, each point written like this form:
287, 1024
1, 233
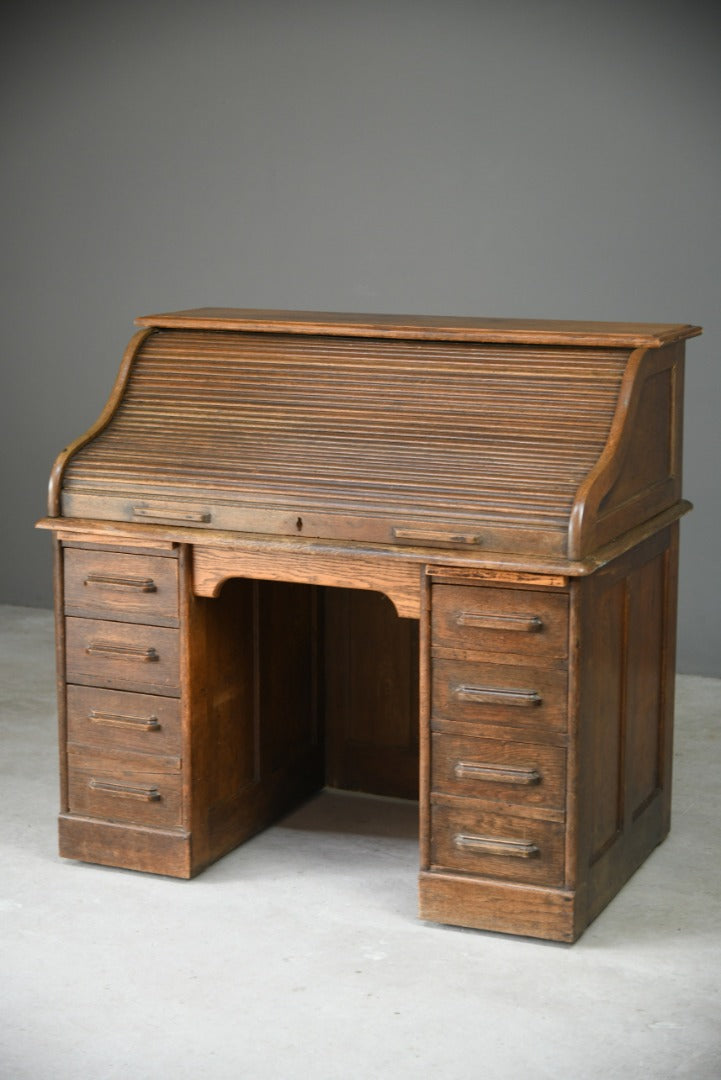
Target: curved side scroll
637, 475
61, 461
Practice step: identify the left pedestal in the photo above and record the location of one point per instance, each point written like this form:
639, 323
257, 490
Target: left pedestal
120, 703
187, 724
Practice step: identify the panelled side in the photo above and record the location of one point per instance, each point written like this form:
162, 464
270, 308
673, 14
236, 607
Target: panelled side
625, 721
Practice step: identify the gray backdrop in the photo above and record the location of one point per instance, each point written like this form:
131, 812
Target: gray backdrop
528, 158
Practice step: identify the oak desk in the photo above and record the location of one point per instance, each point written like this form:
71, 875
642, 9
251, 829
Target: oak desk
426, 557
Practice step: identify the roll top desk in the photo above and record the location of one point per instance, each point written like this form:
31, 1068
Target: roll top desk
432, 558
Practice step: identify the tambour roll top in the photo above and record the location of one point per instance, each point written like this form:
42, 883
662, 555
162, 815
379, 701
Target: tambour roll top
495, 435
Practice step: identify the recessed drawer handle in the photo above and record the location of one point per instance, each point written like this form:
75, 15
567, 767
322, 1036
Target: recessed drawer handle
122, 652
165, 513
146, 723
497, 774
145, 794
486, 695
529, 624
491, 845
435, 536
143, 584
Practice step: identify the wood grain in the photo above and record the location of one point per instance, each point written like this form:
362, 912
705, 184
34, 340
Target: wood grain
260, 492
425, 327
385, 441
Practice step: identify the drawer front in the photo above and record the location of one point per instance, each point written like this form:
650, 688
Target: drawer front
118, 720
497, 845
520, 622
112, 584
126, 790
122, 655
512, 695
507, 772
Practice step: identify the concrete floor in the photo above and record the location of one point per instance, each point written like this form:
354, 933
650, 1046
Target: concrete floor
300, 954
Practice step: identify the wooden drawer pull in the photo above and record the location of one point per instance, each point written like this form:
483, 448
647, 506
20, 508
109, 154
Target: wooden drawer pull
146, 723
497, 774
435, 536
529, 624
143, 584
164, 513
122, 652
486, 695
145, 794
491, 845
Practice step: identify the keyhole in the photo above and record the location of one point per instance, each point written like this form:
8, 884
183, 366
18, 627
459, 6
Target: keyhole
299, 524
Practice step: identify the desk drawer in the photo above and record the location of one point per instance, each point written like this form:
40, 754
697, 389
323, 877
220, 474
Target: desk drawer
118, 720
123, 656
127, 789
142, 588
497, 845
521, 622
524, 774
512, 695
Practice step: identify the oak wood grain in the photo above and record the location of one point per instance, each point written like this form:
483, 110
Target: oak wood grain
424, 327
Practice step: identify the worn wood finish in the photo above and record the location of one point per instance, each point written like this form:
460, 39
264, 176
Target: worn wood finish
118, 720
122, 656
515, 695
496, 770
492, 845
134, 847
504, 906
131, 788
263, 489
425, 327
530, 625
371, 665
363, 570
639, 472
541, 571
60, 670
359, 440
252, 714
56, 476
116, 585
625, 717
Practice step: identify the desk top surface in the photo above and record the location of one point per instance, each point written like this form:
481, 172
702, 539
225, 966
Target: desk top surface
427, 328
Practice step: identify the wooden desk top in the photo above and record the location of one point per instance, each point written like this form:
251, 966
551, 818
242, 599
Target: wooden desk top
426, 328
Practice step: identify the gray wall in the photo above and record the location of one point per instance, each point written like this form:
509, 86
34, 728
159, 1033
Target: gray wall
552, 159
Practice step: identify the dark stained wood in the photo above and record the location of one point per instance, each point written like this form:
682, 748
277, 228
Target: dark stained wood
371, 664
260, 493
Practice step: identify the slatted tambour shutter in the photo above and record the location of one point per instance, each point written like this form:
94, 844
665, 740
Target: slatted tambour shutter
352, 438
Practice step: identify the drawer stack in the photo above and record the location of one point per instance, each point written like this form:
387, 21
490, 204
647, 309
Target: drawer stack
122, 672
498, 733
